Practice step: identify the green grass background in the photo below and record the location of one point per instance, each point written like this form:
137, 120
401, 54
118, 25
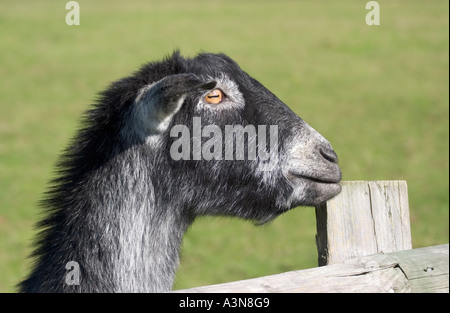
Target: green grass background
379, 94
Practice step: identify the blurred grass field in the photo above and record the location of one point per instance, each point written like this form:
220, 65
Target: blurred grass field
379, 94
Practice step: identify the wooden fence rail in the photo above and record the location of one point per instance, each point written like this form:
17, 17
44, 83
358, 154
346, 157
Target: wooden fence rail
418, 270
364, 245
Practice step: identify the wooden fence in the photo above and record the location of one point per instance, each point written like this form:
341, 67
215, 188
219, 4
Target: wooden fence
364, 245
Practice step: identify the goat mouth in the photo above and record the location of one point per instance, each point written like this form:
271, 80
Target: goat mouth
313, 190
319, 180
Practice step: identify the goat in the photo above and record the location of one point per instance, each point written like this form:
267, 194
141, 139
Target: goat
128, 187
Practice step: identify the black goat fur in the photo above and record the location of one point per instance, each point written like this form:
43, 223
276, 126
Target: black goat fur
120, 204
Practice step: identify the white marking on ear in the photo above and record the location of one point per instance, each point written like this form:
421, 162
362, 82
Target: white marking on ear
143, 90
147, 118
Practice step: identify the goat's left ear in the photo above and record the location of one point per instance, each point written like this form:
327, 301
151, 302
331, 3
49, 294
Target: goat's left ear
158, 102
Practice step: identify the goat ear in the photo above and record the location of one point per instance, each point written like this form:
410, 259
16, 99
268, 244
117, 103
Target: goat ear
159, 101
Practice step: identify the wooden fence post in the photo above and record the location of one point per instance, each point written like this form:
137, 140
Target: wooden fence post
367, 217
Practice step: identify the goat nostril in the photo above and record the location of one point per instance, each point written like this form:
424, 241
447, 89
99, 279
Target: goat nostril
329, 154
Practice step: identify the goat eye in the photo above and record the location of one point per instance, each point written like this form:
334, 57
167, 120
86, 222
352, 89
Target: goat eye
216, 96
